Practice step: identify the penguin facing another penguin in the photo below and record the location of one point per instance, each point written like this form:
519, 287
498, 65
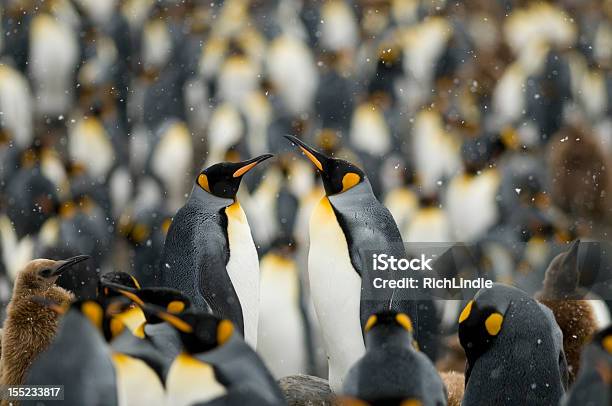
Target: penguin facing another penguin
209, 253
346, 226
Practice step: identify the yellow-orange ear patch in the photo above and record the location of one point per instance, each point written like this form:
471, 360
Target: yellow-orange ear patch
116, 327
606, 343
312, 158
244, 169
493, 323
404, 321
93, 311
349, 180
370, 323
225, 330
140, 232
166, 225
465, 313
203, 182
411, 402
175, 306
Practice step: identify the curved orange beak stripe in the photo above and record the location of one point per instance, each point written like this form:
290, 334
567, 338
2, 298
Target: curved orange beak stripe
244, 169
312, 158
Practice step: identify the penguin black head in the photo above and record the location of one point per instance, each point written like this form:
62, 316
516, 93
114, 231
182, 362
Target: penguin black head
382, 326
481, 320
111, 281
200, 332
503, 328
171, 300
338, 175
223, 179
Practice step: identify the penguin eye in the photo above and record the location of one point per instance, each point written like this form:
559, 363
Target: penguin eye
45, 273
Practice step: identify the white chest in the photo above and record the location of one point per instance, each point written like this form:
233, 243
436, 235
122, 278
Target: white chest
190, 381
336, 292
243, 269
137, 383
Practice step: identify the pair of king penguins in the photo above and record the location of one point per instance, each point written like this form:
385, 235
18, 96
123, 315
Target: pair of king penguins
209, 253
346, 227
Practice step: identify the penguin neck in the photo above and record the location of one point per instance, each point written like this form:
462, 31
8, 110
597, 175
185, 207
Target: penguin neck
200, 195
388, 336
361, 193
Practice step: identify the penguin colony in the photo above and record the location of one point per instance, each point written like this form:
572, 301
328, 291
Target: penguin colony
133, 136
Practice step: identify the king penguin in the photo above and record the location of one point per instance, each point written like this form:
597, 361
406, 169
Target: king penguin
346, 227
209, 253
216, 365
393, 369
78, 358
514, 350
592, 386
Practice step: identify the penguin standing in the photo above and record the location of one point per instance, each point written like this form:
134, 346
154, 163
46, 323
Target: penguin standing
592, 386
392, 368
209, 253
21, 342
138, 364
79, 359
346, 226
514, 350
216, 365
282, 331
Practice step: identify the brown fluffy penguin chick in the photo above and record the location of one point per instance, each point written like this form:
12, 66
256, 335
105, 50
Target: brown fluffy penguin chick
580, 185
574, 316
455, 385
453, 358
30, 325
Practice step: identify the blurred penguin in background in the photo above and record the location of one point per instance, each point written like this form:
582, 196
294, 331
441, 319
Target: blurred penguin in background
32, 197
292, 71
146, 230
53, 58
171, 161
16, 106
592, 386
284, 341
580, 181
471, 196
